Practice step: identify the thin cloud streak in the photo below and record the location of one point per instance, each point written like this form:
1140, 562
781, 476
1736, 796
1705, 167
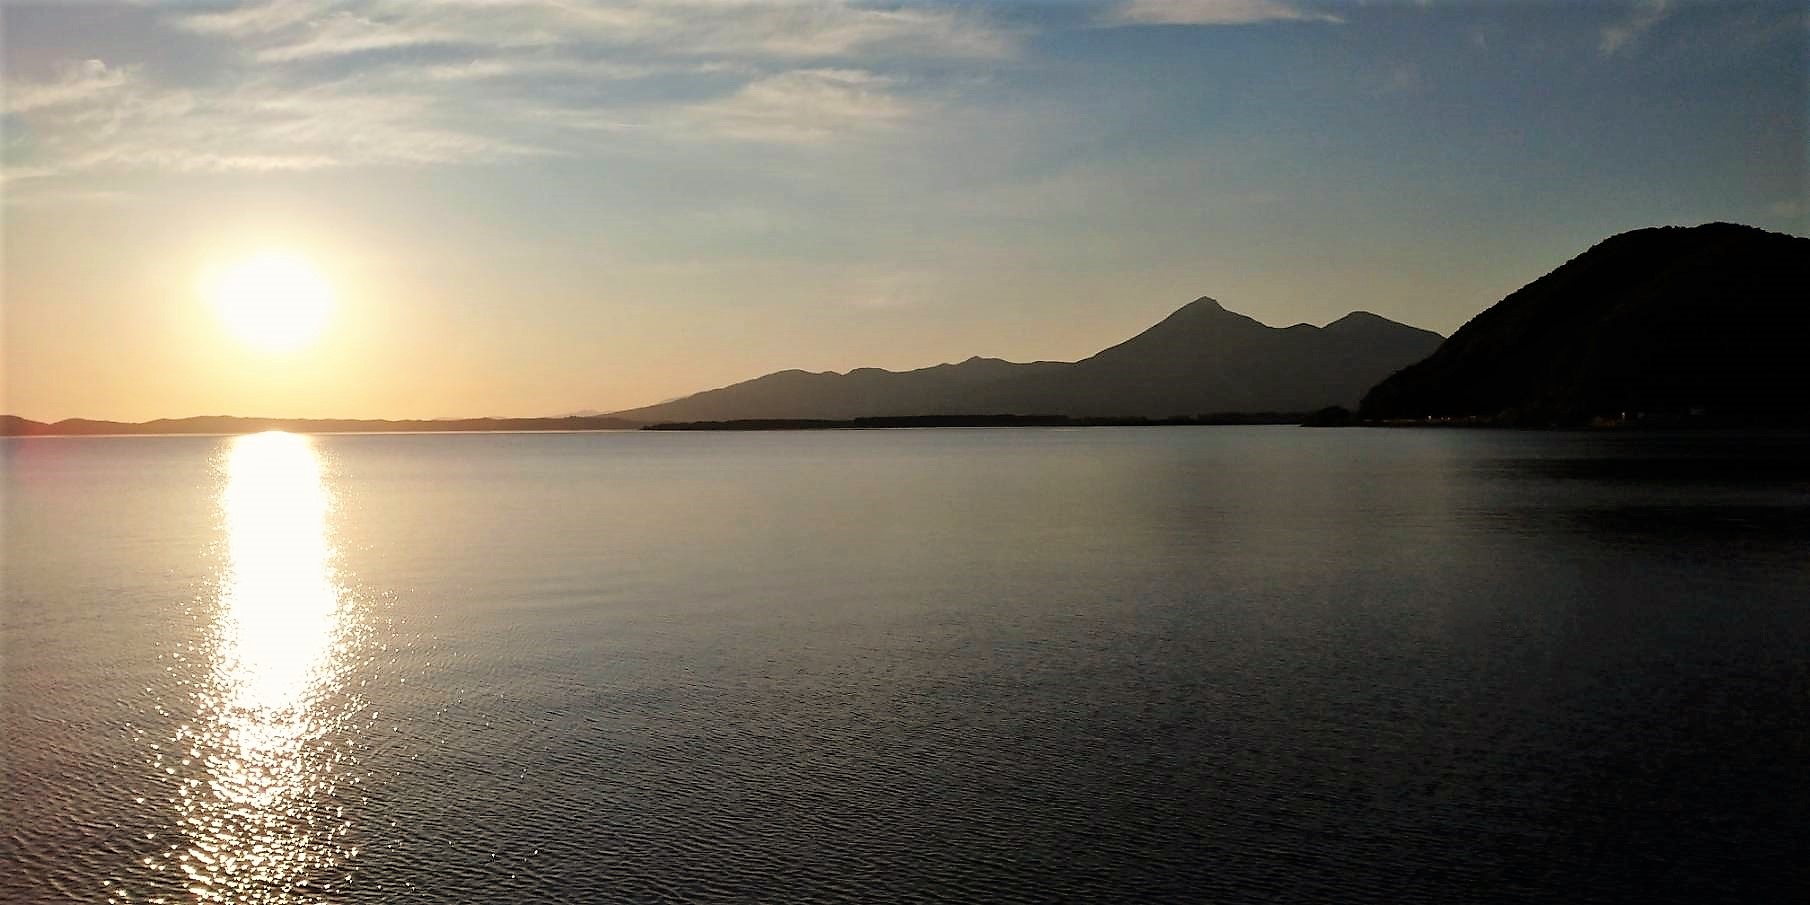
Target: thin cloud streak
804, 106
290, 30
1623, 34
1212, 12
256, 18
76, 84
256, 127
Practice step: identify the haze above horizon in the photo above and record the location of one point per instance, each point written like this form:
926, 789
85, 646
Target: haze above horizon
381, 209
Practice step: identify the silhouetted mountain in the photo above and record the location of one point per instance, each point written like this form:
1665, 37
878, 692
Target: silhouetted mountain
12, 425
863, 392
15, 426
1202, 358
1707, 321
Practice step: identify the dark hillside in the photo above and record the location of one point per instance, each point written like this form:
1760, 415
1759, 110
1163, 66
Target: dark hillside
1701, 322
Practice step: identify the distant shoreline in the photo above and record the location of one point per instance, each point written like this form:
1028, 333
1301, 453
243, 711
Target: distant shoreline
1001, 420
226, 425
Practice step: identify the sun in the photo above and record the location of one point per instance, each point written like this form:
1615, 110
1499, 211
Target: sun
274, 301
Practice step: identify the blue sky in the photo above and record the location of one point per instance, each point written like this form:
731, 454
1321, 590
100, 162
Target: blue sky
531, 207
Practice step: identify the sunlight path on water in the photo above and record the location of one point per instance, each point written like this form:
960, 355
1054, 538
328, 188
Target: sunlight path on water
268, 749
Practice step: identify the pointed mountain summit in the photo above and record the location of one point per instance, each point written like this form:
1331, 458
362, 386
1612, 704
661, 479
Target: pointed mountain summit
1206, 359
1201, 359
1674, 322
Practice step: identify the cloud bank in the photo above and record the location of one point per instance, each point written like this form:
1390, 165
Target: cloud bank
329, 83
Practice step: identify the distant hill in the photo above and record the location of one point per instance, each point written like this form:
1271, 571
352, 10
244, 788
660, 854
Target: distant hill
1666, 324
1201, 359
14, 426
863, 392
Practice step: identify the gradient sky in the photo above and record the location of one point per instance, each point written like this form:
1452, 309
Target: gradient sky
532, 207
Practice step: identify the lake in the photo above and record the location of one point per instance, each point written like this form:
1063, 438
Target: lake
1001, 665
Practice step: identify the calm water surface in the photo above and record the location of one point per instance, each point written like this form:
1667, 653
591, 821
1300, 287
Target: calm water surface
1188, 664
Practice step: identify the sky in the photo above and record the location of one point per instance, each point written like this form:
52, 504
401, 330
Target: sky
535, 207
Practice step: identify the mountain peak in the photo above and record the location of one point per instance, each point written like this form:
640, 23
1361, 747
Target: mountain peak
1366, 326
1201, 358
1359, 322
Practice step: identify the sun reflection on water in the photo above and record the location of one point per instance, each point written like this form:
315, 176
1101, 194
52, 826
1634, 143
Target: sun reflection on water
260, 804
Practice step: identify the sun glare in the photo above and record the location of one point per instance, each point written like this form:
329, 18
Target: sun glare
274, 301
269, 747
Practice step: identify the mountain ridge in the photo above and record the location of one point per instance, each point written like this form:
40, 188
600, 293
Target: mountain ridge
1200, 358
1669, 321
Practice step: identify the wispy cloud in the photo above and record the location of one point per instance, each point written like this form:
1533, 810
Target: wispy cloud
14, 175
256, 18
284, 30
312, 84
1212, 12
75, 84
804, 106
1401, 78
1621, 35
519, 67
345, 33
260, 126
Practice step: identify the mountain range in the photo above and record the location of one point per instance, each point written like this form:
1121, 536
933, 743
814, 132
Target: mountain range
1200, 359
1705, 323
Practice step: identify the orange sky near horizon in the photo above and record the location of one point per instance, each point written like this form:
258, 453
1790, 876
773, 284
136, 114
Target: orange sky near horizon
658, 197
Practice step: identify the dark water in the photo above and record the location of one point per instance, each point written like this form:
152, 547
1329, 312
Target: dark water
1142, 665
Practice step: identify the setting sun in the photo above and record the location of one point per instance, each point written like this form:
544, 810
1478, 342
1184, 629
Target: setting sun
274, 301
